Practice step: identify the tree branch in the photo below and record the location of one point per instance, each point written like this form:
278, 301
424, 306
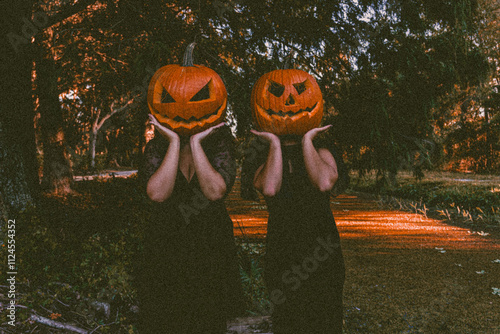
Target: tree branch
101, 307
300, 52
104, 325
113, 111
95, 126
56, 324
68, 11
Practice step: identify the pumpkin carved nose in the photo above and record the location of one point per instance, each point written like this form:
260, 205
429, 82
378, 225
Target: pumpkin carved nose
290, 100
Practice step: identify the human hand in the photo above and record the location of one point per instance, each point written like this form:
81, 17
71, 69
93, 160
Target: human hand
198, 137
163, 130
311, 134
267, 136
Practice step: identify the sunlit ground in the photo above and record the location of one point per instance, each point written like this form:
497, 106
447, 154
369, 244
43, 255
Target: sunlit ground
446, 178
362, 220
404, 273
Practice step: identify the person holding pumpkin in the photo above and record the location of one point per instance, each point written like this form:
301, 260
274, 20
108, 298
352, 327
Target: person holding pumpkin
296, 172
189, 280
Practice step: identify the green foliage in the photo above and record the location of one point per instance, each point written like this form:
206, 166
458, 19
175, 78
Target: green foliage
79, 253
251, 256
389, 71
469, 198
415, 56
474, 203
82, 252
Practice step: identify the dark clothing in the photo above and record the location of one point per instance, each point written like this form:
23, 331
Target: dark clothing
304, 266
189, 281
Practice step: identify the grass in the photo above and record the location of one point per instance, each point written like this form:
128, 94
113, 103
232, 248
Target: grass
420, 291
251, 256
75, 258
80, 250
461, 199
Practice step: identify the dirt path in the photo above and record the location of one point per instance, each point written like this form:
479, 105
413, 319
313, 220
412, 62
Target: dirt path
405, 273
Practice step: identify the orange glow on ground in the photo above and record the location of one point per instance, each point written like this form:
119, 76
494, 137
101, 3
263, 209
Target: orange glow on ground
361, 220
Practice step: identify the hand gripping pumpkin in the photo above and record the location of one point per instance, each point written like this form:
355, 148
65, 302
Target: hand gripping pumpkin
188, 99
287, 102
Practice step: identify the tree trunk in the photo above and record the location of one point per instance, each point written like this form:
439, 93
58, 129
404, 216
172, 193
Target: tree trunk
18, 164
57, 172
489, 143
98, 124
392, 178
16, 190
93, 142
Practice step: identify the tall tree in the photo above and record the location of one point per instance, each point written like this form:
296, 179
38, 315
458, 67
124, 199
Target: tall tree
467, 119
18, 166
57, 172
19, 183
415, 52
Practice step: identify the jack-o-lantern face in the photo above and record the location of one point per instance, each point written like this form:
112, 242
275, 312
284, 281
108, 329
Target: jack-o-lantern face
287, 102
188, 99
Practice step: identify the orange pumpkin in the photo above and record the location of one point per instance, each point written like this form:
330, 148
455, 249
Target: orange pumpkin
287, 102
189, 98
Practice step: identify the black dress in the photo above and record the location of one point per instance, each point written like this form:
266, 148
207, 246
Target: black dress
189, 281
304, 267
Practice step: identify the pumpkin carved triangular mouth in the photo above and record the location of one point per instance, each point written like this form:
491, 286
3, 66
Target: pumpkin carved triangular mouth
290, 113
194, 119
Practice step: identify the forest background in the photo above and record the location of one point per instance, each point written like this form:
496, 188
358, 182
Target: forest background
408, 86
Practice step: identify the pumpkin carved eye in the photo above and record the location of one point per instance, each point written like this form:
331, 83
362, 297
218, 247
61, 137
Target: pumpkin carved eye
300, 87
287, 102
203, 94
276, 89
166, 97
176, 100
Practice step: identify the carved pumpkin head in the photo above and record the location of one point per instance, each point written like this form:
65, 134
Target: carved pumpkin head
287, 102
188, 99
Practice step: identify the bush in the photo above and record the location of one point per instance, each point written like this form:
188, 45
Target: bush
76, 257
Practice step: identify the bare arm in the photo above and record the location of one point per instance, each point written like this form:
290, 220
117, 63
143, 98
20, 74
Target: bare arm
268, 177
320, 164
211, 182
161, 184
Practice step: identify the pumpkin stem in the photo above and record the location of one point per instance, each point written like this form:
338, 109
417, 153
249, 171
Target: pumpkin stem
188, 55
